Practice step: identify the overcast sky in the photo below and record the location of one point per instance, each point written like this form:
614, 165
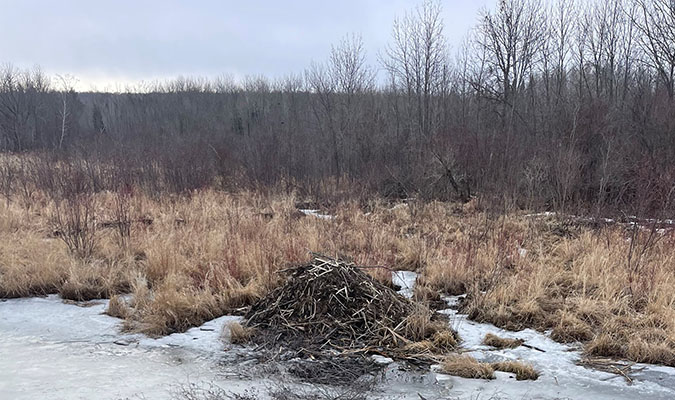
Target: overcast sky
125, 41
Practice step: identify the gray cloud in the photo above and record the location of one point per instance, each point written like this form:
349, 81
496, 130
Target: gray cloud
124, 40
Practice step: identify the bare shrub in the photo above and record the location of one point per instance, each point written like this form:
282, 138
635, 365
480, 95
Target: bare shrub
8, 177
209, 391
122, 214
73, 220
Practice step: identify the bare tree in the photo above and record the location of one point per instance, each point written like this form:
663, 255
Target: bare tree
513, 37
561, 31
655, 19
416, 60
66, 82
21, 94
340, 84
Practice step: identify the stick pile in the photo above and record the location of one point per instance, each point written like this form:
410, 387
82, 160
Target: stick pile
330, 303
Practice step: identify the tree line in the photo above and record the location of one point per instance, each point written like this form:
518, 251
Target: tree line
563, 105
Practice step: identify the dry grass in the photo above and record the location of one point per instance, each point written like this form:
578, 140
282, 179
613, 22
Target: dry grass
212, 253
95, 280
117, 308
428, 334
522, 371
467, 367
501, 343
571, 329
420, 347
419, 324
237, 333
31, 264
445, 340
440, 342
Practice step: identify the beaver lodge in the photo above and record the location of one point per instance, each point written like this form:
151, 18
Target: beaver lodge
332, 307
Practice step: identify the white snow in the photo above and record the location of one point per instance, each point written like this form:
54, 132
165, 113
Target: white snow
317, 214
633, 221
49, 349
406, 281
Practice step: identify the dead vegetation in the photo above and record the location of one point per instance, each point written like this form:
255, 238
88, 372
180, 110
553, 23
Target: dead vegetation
332, 304
238, 334
522, 371
612, 366
501, 343
467, 367
117, 308
211, 253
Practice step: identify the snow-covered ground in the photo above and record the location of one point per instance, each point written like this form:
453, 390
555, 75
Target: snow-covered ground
560, 376
51, 349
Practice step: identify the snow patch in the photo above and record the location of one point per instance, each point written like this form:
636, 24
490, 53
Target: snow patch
406, 281
317, 214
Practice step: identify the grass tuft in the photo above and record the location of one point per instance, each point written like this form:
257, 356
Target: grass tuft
522, 371
445, 340
501, 343
117, 308
467, 367
571, 329
237, 333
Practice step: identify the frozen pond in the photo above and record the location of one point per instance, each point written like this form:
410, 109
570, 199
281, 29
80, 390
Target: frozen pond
50, 349
53, 350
